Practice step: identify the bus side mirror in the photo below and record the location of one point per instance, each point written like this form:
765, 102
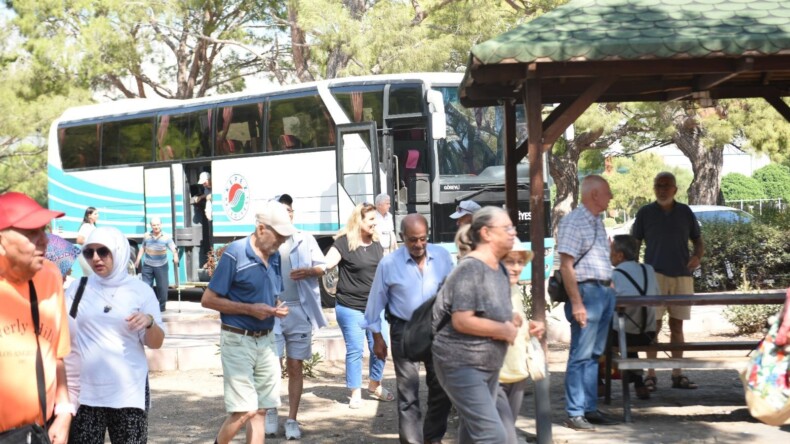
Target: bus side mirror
438, 118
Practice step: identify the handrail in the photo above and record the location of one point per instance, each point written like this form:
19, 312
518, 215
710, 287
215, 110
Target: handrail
728, 298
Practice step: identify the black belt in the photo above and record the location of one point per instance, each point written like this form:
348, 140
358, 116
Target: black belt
605, 283
250, 333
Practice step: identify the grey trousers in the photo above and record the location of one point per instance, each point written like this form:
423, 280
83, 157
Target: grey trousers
473, 393
508, 404
407, 380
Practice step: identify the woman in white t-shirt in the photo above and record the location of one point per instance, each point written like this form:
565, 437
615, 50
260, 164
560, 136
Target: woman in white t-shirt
86, 228
116, 317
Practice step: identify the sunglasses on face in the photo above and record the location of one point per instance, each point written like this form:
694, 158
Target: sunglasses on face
103, 252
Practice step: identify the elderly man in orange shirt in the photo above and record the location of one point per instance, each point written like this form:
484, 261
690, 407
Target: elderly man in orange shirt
32, 375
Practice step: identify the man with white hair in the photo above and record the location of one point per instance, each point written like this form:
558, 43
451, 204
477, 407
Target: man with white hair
384, 224
244, 289
153, 257
587, 276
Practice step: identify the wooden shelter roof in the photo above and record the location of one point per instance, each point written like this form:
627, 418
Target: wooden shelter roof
654, 50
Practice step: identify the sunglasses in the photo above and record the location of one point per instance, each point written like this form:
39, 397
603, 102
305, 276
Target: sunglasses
103, 252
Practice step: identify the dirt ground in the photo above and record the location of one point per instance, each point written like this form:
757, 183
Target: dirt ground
188, 408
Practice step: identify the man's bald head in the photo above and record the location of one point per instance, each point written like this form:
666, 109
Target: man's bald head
414, 232
595, 193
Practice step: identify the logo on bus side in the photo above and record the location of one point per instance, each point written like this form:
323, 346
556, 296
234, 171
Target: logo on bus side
237, 197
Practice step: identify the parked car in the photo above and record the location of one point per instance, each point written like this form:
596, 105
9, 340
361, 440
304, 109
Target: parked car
704, 214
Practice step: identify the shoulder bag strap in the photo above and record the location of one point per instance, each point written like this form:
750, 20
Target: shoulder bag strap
42, 394
595, 237
78, 297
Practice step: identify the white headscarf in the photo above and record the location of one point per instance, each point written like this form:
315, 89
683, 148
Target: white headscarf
113, 239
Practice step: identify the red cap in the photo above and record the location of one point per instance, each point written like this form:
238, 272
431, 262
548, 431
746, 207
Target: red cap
17, 210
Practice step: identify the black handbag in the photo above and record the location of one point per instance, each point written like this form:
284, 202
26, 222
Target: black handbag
556, 287
32, 433
29, 434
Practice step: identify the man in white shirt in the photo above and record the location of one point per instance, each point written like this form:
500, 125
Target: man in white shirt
384, 225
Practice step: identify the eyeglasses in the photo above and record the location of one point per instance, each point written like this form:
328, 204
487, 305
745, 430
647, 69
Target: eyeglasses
508, 228
103, 252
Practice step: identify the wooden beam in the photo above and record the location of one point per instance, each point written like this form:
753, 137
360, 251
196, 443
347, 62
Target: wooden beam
779, 105
562, 121
681, 94
533, 105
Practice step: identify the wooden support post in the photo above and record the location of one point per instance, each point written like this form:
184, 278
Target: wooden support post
533, 105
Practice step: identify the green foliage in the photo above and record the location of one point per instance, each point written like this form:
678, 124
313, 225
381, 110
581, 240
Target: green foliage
775, 180
750, 255
309, 366
765, 130
750, 318
736, 186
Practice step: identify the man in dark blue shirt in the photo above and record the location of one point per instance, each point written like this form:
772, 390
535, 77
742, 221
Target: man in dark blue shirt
667, 226
244, 290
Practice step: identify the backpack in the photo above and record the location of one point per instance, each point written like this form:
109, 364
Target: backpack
418, 333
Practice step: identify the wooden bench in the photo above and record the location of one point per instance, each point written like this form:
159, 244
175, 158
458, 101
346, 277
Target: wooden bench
625, 364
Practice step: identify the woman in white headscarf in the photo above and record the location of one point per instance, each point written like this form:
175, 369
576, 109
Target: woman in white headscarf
115, 318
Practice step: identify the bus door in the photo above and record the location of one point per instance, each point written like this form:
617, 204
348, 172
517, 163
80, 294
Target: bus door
411, 167
190, 204
160, 195
358, 170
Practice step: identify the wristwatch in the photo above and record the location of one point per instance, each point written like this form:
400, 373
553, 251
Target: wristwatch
151, 324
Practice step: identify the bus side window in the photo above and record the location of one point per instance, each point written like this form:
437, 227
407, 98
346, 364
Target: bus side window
79, 146
237, 129
299, 122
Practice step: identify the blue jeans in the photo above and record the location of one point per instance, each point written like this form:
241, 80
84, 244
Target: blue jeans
162, 282
354, 335
587, 345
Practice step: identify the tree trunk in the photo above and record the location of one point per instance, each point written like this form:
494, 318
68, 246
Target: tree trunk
706, 162
564, 169
300, 50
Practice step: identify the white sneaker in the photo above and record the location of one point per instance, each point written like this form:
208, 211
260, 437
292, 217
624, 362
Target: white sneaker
271, 424
292, 429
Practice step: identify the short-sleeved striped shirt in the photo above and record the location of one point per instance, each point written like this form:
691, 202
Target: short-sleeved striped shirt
155, 249
579, 231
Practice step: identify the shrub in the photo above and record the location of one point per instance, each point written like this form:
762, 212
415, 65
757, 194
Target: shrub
775, 179
750, 318
736, 186
750, 254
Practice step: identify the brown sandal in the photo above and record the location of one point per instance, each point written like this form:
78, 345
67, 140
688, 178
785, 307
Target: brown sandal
642, 392
683, 382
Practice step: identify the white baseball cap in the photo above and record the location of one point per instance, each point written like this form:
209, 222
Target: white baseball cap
275, 215
464, 208
204, 177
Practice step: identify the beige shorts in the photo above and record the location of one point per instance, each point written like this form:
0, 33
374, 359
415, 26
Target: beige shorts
675, 285
251, 372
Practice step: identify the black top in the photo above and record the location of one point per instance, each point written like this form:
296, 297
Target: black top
355, 272
667, 235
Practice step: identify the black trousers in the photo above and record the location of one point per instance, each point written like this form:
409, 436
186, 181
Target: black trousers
407, 380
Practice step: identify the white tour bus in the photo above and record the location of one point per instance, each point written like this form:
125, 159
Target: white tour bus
329, 144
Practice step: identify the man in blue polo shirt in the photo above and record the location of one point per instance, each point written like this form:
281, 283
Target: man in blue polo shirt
404, 280
244, 289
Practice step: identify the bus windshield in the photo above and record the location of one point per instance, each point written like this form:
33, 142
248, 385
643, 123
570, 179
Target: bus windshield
475, 143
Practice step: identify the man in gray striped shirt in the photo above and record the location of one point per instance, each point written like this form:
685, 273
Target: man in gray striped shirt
586, 273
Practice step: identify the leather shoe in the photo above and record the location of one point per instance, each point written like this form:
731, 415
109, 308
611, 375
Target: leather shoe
599, 418
579, 423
